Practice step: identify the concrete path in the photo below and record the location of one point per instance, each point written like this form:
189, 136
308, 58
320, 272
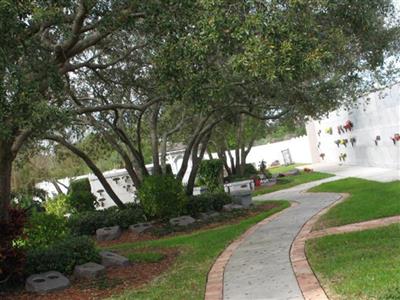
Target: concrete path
260, 267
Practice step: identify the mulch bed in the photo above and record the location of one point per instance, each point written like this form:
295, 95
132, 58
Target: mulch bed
117, 280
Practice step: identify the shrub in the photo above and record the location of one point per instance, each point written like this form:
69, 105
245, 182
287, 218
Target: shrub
162, 196
249, 170
87, 223
80, 197
207, 202
210, 174
58, 206
43, 230
12, 257
62, 256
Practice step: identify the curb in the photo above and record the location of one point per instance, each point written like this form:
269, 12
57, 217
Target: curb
215, 277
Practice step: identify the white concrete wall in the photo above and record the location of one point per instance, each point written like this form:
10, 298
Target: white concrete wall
379, 117
123, 186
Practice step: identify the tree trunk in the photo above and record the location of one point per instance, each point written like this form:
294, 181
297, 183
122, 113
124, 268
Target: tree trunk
154, 141
96, 171
6, 159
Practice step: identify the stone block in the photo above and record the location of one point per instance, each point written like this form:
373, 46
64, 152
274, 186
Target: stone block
140, 227
89, 270
232, 206
110, 259
242, 198
182, 221
209, 214
46, 282
108, 233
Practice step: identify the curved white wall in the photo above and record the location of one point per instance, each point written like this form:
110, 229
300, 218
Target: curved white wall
380, 116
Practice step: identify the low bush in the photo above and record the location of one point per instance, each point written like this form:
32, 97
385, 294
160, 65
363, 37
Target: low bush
58, 206
43, 230
250, 170
80, 197
162, 197
12, 257
210, 174
206, 202
62, 256
87, 223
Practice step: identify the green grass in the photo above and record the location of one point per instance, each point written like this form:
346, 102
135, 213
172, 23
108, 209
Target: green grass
283, 169
187, 277
290, 181
359, 265
368, 200
145, 257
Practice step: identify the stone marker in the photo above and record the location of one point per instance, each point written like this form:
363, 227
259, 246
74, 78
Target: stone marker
89, 270
46, 282
110, 259
209, 214
292, 172
182, 221
230, 207
140, 227
108, 233
242, 198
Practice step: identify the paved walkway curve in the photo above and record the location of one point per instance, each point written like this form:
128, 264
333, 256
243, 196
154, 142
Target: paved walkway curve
260, 268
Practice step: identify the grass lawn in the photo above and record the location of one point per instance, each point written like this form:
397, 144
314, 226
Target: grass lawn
187, 277
358, 265
290, 181
283, 169
368, 200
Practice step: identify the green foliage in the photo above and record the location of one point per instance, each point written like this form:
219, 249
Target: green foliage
206, 202
62, 256
86, 223
210, 174
80, 197
250, 170
12, 257
58, 206
43, 230
162, 196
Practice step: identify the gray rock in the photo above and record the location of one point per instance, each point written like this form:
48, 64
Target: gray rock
89, 270
140, 227
108, 233
209, 214
242, 198
292, 172
110, 259
232, 206
182, 221
46, 282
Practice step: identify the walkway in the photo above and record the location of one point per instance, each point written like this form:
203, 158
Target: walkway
260, 267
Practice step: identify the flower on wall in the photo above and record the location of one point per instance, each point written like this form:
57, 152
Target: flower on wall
319, 132
344, 142
342, 156
395, 138
328, 130
353, 141
337, 142
348, 126
322, 155
340, 129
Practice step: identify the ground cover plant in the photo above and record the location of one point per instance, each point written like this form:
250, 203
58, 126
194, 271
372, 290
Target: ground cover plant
368, 200
198, 252
358, 265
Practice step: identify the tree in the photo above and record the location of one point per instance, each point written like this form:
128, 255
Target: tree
44, 42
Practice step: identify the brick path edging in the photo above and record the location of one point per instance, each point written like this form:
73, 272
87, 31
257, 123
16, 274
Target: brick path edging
306, 279
215, 278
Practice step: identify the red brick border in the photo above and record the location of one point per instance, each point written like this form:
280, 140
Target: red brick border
308, 282
215, 278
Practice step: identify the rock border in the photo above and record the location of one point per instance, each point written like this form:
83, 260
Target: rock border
308, 283
215, 277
